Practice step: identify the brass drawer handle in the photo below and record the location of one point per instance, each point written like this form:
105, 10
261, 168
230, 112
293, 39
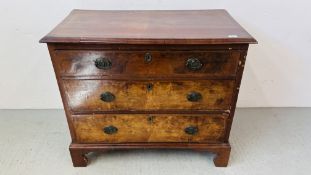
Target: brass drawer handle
191, 130
110, 129
107, 97
194, 64
194, 96
103, 63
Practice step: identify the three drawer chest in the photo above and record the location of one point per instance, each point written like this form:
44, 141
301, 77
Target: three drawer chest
149, 79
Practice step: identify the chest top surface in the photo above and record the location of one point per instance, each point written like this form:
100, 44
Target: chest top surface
149, 27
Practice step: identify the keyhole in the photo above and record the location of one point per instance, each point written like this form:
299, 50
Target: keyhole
149, 87
148, 58
150, 119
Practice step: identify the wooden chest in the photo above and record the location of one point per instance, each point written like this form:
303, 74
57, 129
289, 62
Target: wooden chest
149, 79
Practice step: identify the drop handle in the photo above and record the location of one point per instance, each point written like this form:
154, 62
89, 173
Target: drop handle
194, 64
103, 63
110, 129
194, 96
191, 130
107, 97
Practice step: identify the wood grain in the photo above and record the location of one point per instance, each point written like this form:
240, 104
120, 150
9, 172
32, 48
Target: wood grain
149, 27
149, 128
132, 63
84, 95
146, 104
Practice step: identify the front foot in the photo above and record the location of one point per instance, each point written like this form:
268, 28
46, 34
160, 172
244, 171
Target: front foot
222, 153
78, 158
221, 158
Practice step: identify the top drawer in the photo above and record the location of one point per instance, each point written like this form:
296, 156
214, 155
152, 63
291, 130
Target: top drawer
146, 63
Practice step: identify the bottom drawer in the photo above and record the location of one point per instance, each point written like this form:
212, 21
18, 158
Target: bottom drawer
122, 128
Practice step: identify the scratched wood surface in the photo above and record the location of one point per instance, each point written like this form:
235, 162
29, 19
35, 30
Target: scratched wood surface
149, 27
84, 95
149, 128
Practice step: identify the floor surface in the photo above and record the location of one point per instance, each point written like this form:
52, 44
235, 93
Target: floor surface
264, 141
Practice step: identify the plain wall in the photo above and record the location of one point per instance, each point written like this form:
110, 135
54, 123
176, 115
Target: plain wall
277, 71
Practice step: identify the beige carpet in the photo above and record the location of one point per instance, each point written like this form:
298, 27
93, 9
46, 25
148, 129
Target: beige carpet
264, 141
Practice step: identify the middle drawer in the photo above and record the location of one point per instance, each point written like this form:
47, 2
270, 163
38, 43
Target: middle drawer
114, 95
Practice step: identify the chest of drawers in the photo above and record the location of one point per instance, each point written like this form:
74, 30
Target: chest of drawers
149, 79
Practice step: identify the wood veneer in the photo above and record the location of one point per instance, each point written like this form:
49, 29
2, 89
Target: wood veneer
149, 107
84, 95
150, 128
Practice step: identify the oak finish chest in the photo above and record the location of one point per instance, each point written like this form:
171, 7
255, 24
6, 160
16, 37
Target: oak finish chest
149, 79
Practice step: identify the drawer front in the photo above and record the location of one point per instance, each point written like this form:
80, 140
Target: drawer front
153, 63
124, 128
108, 95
